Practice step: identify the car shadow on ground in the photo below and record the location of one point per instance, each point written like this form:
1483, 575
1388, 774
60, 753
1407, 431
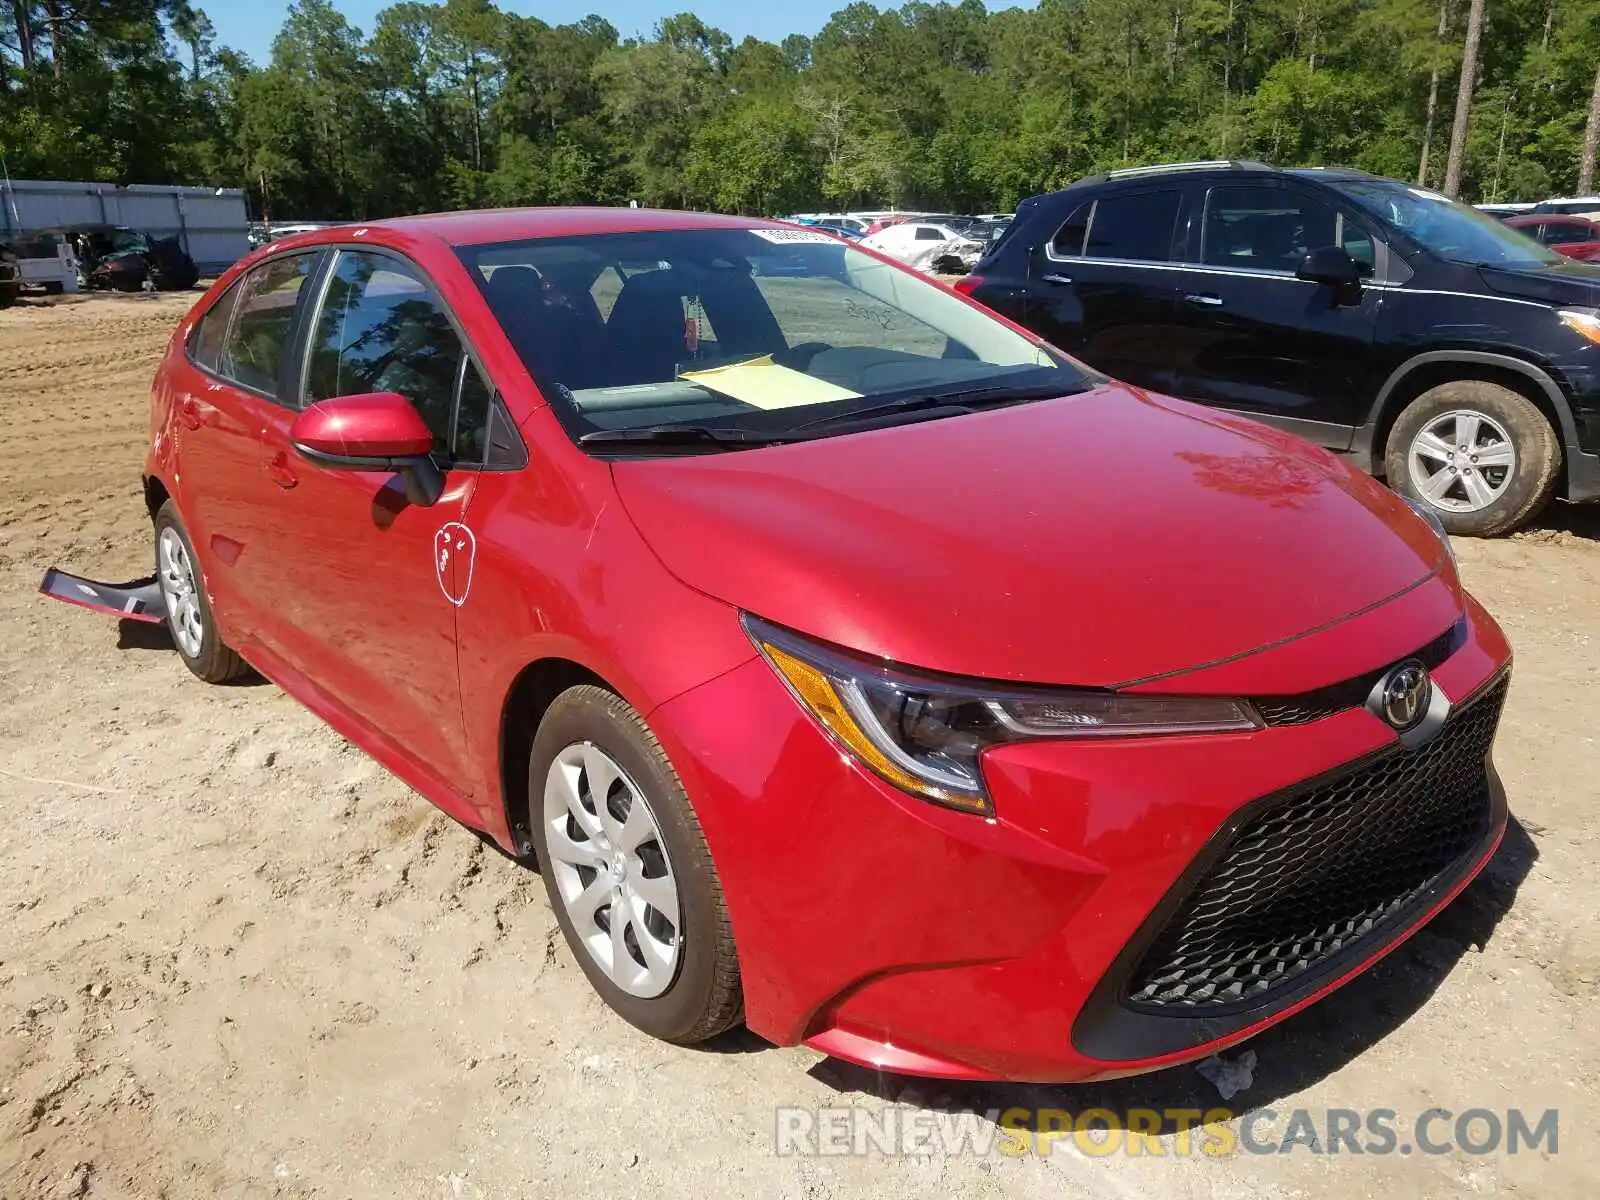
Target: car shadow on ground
1291, 1056
1579, 520
142, 635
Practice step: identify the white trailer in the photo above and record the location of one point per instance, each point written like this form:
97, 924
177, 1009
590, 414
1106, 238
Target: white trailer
210, 223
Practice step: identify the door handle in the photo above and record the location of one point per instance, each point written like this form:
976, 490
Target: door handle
281, 472
1067, 279
1205, 299
189, 412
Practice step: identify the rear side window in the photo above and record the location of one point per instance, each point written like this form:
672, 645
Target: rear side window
209, 336
1558, 233
380, 328
927, 233
1137, 226
253, 351
1268, 229
1068, 242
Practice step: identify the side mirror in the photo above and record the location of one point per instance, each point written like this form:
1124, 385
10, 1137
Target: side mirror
376, 432
1333, 266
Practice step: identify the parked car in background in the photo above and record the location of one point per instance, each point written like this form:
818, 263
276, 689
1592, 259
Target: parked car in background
1503, 211
122, 259
848, 232
1450, 354
881, 223
1581, 206
927, 246
1576, 237
850, 662
10, 277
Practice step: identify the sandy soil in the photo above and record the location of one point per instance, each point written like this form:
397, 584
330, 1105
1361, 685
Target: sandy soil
239, 959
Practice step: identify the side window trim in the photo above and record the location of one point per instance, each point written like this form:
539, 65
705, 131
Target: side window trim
1173, 237
322, 280
296, 322
228, 296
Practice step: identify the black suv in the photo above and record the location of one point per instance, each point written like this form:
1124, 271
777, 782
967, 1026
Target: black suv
1440, 349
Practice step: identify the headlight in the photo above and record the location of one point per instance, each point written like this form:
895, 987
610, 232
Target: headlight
1425, 511
924, 734
1585, 322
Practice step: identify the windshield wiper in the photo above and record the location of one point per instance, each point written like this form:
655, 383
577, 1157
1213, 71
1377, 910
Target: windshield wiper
682, 435
958, 402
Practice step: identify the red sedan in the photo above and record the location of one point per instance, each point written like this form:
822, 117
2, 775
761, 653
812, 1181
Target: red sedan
1575, 237
852, 663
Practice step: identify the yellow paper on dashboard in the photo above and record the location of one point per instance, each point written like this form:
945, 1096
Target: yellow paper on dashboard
765, 384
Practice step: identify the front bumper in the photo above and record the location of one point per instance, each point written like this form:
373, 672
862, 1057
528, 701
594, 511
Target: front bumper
895, 934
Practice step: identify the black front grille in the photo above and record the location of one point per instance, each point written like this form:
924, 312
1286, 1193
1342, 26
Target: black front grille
1309, 875
1351, 693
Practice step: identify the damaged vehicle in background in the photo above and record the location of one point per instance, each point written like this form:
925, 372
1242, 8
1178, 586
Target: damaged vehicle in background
926, 246
10, 277
124, 260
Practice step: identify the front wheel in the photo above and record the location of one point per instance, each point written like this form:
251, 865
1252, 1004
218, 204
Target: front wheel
628, 872
1482, 456
189, 617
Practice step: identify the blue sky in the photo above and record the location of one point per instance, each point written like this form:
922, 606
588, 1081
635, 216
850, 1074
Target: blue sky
250, 25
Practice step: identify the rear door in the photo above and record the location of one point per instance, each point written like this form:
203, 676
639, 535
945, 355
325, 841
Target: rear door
1102, 287
237, 380
1254, 338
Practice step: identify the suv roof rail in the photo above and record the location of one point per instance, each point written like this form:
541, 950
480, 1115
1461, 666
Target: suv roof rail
1216, 164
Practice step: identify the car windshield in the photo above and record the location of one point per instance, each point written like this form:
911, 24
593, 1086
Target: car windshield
759, 330
1451, 230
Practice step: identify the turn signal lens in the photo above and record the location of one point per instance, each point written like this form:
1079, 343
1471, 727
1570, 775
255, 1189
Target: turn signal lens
1585, 322
925, 734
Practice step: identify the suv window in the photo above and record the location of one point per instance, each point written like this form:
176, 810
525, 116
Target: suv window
380, 328
1068, 242
252, 354
1557, 233
1137, 226
1268, 229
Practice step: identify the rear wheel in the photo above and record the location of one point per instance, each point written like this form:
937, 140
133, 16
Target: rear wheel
1482, 456
189, 619
628, 872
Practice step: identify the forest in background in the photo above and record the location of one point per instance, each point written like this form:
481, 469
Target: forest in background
937, 106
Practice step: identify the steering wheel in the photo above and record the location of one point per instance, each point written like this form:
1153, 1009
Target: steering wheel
798, 358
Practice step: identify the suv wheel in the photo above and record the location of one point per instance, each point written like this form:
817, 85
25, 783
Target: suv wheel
628, 872
1482, 456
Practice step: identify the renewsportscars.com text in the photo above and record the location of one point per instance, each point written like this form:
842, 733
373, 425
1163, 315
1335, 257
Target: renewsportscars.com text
848, 1130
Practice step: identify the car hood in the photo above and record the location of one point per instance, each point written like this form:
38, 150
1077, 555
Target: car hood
1567, 282
1097, 539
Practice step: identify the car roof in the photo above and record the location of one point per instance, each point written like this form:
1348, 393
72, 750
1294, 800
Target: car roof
476, 227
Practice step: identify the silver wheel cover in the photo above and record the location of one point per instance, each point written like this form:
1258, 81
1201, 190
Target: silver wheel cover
609, 864
181, 592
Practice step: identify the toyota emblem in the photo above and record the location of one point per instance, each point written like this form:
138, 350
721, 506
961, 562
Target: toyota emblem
1405, 695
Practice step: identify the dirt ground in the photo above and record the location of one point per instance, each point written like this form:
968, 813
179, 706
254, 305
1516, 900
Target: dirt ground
239, 959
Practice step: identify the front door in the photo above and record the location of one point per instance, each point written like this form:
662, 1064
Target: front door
366, 584
1252, 337
1101, 289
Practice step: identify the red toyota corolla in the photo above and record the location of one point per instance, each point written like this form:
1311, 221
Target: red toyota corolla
851, 662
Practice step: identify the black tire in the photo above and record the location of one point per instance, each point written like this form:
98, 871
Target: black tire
705, 997
1537, 449
214, 661
54, 288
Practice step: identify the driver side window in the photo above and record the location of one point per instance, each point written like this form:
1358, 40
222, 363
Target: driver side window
380, 328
